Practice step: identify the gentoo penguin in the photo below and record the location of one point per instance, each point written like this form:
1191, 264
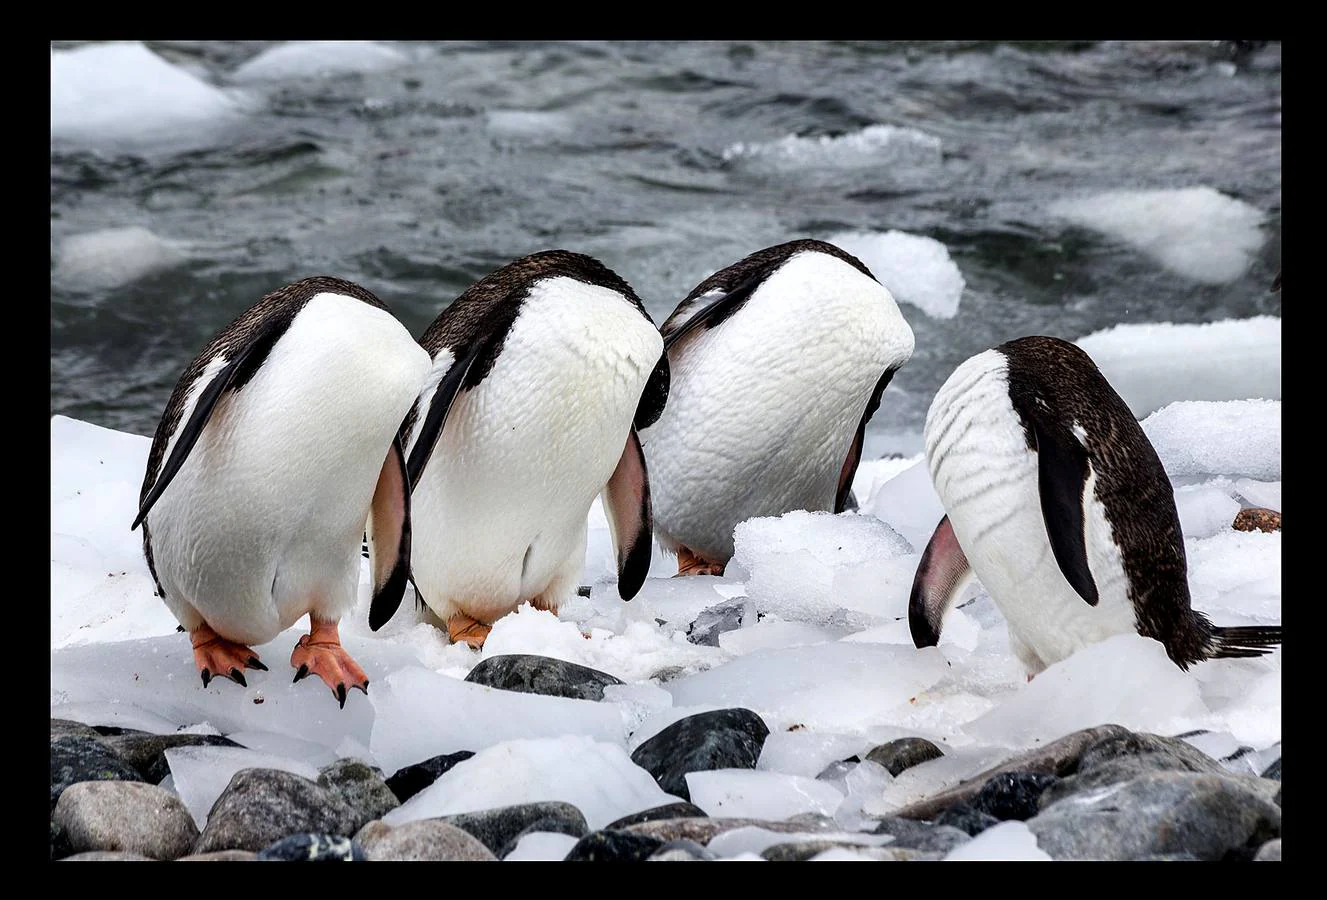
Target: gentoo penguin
277, 447
542, 373
777, 363
1054, 494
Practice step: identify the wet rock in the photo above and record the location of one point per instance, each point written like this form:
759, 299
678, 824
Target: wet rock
904, 753
541, 675
76, 758
916, 835
1257, 518
802, 850
614, 846
147, 752
1126, 757
407, 782
1013, 795
361, 786
425, 840
1160, 812
1269, 852
126, 815
62, 727
261, 806
1273, 771
667, 811
701, 831
313, 848
59, 841
499, 828
220, 856
963, 817
681, 851
108, 856
722, 739
715, 620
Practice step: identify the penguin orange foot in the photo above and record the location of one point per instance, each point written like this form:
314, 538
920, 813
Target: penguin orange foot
320, 653
689, 563
465, 628
218, 657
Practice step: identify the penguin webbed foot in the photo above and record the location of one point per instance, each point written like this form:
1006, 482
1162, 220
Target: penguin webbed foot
691, 563
320, 653
461, 627
217, 657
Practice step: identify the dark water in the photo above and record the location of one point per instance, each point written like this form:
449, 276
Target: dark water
416, 182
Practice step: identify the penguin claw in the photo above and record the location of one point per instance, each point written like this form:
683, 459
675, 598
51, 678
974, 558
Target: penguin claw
207, 676
255, 663
320, 653
341, 694
217, 657
301, 674
238, 677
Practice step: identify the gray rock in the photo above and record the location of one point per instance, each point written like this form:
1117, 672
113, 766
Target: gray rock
412, 779
498, 828
261, 806
681, 851
108, 856
721, 739
361, 786
1060, 757
904, 753
1269, 852
126, 815
798, 851
921, 836
59, 841
1013, 795
220, 856
1126, 757
62, 727
667, 811
147, 752
76, 757
1157, 813
701, 831
541, 675
425, 840
962, 817
1273, 771
715, 620
613, 846
313, 848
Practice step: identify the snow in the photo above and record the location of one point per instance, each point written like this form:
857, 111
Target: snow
916, 269
113, 257
200, 774
1006, 841
549, 846
122, 95
318, 59
753, 794
1204, 437
1196, 232
875, 145
1153, 364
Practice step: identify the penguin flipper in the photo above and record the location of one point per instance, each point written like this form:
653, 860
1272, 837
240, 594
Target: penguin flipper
844, 499
1062, 473
626, 499
449, 388
712, 313
388, 531
941, 576
232, 377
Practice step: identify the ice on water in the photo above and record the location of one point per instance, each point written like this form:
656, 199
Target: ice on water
113, 257
917, 269
318, 59
876, 145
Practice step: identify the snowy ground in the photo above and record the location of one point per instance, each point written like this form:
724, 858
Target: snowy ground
828, 663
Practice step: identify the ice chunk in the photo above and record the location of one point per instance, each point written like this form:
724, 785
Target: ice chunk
808, 752
747, 793
637, 702
1260, 493
202, 773
1007, 841
1151, 365
1253, 715
754, 839
909, 504
873, 473
840, 854
1235, 577
110, 712
875, 145
113, 257
1235, 437
931, 777
866, 782
122, 94
597, 778
916, 269
421, 714
771, 632
1204, 510
283, 745
542, 845
318, 59
1196, 232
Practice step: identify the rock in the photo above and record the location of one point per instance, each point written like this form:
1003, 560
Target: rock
1013, 795
1269, 852
1125, 757
76, 758
361, 786
921, 836
1059, 757
59, 841
220, 856
904, 753
107, 856
963, 817
499, 828
701, 831
147, 752
1160, 812
715, 620
681, 851
613, 846
425, 840
62, 727
261, 806
1257, 518
116, 730
313, 848
667, 811
722, 739
407, 782
1273, 771
797, 851
541, 675
126, 815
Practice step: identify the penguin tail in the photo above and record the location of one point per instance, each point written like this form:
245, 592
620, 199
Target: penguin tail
1244, 641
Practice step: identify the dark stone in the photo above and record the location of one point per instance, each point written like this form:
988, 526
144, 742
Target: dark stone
497, 829
904, 754
715, 620
147, 752
361, 786
613, 846
1161, 812
261, 806
667, 811
935, 837
1013, 795
541, 675
722, 739
1273, 771
966, 819
126, 815
836, 771
314, 848
681, 851
116, 730
62, 727
424, 840
1126, 757
407, 782
59, 841
76, 758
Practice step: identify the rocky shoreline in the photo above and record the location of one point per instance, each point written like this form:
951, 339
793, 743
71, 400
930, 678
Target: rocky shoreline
1102, 793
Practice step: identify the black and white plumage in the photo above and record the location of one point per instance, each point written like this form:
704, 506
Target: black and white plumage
1057, 500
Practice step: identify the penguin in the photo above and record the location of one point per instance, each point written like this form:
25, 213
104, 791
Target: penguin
277, 450
1055, 499
542, 373
777, 362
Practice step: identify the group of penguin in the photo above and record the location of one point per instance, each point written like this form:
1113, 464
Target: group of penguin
469, 460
